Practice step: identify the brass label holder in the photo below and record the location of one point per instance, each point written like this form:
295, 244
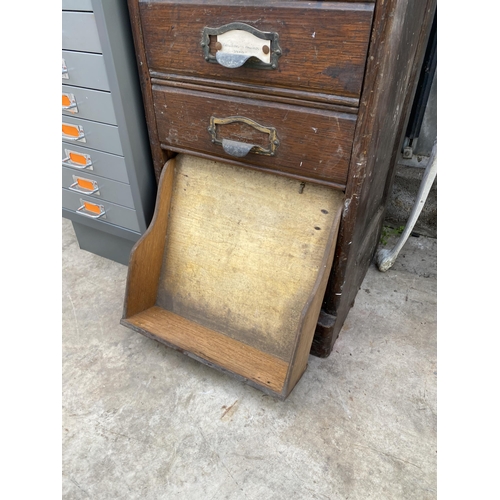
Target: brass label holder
240, 149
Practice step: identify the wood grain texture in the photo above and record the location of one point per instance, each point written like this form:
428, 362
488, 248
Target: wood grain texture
312, 309
396, 48
146, 255
244, 250
317, 100
214, 347
399, 38
324, 44
312, 143
159, 156
232, 269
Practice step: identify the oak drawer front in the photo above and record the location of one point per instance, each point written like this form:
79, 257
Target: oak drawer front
89, 104
89, 207
323, 44
293, 139
82, 69
83, 160
79, 32
91, 134
100, 188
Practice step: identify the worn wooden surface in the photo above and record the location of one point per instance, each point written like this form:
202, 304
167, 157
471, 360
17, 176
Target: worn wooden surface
146, 255
396, 47
159, 155
233, 268
312, 143
312, 309
244, 250
323, 44
399, 38
262, 92
211, 346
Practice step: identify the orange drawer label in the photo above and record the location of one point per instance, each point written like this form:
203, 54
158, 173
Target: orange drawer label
85, 184
76, 158
66, 100
71, 130
91, 207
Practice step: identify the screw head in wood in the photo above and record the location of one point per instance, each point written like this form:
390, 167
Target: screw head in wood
218, 46
265, 49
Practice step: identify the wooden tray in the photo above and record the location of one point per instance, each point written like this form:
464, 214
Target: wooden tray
233, 269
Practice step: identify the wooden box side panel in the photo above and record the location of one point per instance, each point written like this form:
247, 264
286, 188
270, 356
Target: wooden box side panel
212, 348
147, 254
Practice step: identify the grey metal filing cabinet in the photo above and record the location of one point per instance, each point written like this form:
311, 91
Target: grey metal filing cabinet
108, 183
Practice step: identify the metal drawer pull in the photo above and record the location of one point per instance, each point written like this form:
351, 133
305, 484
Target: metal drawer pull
87, 186
65, 73
91, 210
240, 149
69, 103
77, 160
236, 43
235, 148
73, 132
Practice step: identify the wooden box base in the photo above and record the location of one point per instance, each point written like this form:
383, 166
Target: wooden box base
233, 269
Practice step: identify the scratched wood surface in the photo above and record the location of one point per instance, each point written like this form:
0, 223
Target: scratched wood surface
323, 44
213, 347
399, 39
243, 251
146, 255
312, 143
341, 76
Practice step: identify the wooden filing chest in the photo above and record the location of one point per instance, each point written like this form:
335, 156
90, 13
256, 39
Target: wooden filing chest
318, 92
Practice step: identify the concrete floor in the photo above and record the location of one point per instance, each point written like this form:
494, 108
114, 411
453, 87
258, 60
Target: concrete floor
141, 421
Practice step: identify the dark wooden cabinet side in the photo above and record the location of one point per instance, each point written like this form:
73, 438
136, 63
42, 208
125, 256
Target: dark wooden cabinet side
399, 38
160, 156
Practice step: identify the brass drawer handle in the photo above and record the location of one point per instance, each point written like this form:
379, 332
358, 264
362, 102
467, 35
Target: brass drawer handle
240, 149
233, 44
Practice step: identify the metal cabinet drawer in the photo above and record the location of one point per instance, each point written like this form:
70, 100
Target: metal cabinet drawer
87, 184
79, 32
82, 69
89, 207
94, 135
83, 160
89, 104
84, 5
